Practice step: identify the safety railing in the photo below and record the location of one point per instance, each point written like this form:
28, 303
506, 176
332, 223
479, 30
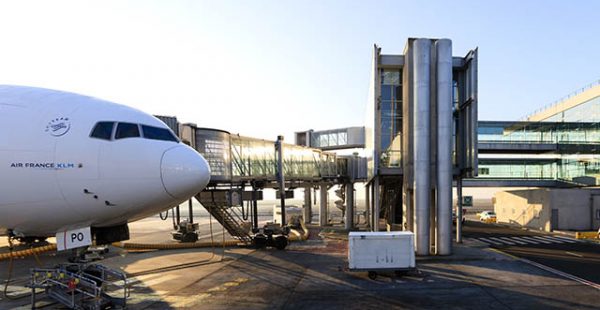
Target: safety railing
561, 100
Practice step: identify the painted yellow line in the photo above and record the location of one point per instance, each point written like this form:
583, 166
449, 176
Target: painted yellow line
504, 253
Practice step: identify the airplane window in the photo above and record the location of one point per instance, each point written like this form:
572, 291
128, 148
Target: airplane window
127, 130
103, 130
156, 133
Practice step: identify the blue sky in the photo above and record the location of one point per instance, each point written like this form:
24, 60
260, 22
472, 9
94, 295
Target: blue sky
263, 68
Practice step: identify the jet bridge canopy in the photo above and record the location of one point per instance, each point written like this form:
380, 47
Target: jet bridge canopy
236, 159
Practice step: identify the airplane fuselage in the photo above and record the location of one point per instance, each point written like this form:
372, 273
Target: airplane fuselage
69, 161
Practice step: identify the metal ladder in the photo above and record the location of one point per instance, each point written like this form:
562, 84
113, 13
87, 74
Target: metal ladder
228, 218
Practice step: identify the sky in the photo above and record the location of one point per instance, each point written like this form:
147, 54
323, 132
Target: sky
265, 68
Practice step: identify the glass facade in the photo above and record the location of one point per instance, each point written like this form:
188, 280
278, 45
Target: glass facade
390, 113
518, 168
237, 158
575, 132
585, 112
531, 168
540, 132
253, 158
563, 146
391, 118
325, 139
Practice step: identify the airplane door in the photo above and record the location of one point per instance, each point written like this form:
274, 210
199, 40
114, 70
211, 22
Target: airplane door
76, 165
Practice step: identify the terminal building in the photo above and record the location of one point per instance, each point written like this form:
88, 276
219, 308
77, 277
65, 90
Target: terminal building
421, 139
555, 151
558, 145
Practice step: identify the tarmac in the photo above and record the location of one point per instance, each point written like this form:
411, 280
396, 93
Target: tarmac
313, 274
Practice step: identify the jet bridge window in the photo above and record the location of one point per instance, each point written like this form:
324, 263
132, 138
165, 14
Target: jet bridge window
127, 130
156, 133
103, 130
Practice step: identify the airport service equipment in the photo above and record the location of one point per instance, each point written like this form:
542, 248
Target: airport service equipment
81, 286
272, 235
293, 214
381, 251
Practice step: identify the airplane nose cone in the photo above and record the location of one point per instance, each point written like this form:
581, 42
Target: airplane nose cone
184, 172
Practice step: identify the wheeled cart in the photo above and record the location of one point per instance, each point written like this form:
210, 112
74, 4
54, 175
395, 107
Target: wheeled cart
381, 251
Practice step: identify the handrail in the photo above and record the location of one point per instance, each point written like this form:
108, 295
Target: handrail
562, 99
540, 142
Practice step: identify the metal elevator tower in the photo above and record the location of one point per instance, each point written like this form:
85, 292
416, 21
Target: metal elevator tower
423, 136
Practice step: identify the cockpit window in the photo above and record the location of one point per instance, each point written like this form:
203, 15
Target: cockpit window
127, 130
156, 133
103, 130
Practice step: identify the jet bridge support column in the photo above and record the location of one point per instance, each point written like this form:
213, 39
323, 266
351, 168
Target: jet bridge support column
307, 205
323, 216
376, 203
280, 177
349, 221
459, 210
368, 206
191, 211
254, 209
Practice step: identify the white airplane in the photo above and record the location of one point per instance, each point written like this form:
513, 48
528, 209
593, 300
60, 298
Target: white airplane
81, 168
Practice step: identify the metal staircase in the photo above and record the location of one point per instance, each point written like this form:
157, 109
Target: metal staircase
228, 216
390, 198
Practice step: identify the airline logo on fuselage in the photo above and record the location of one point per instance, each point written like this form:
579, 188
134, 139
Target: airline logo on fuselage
58, 126
46, 165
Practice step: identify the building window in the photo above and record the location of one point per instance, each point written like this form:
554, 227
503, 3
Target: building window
390, 77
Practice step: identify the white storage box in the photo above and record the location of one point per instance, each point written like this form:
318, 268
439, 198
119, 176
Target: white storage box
372, 251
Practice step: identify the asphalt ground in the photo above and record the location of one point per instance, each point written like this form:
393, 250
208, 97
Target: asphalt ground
579, 258
314, 274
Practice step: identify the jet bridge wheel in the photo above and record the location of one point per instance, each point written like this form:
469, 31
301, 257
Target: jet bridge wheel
189, 237
260, 241
280, 242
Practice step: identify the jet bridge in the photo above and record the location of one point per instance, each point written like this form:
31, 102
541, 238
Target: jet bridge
241, 167
333, 139
236, 159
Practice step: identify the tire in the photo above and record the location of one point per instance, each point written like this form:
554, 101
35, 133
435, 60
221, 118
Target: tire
259, 241
281, 242
189, 237
400, 273
372, 275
